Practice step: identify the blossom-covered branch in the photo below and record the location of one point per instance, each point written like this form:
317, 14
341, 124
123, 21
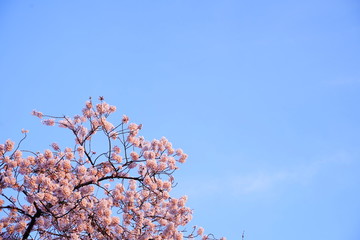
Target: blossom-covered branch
119, 189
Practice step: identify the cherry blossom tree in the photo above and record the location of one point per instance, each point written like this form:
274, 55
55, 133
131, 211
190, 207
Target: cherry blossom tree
82, 192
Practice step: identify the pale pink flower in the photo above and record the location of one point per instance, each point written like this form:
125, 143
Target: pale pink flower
116, 149
165, 194
49, 122
24, 131
132, 184
77, 119
161, 166
166, 185
37, 114
179, 236
125, 119
183, 158
171, 163
134, 156
146, 206
119, 187
48, 154
151, 163
133, 126
112, 109
69, 155
81, 151
200, 231
179, 152
31, 159
9, 145
114, 135
132, 165
82, 131
164, 158
147, 180
95, 124
88, 104
153, 186
40, 196
170, 151
66, 124
106, 170
149, 155
115, 221
81, 170
18, 154
93, 171
142, 170
106, 125
67, 164
116, 157
87, 113
136, 141
6, 159
55, 146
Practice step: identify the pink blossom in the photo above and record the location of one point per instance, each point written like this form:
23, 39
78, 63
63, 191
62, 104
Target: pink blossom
67, 164
166, 185
116, 149
9, 145
161, 166
88, 104
49, 122
37, 114
125, 119
200, 231
24, 131
102, 108
112, 109
133, 126
179, 152
183, 157
81, 170
134, 156
55, 146
17, 154
87, 113
132, 165
151, 163
65, 124
114, 135
48, 154
81, 151
116, 157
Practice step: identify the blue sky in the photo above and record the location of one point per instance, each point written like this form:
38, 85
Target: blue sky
262, 95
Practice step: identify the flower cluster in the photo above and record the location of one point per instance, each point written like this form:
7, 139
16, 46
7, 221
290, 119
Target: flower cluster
121, 192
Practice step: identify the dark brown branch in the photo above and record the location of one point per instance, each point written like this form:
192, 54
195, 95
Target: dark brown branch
32, 223
105, 178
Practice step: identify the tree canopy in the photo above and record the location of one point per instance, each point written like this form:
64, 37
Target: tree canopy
120, 191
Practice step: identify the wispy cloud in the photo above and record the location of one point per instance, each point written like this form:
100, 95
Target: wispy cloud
265, 180
301, 174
